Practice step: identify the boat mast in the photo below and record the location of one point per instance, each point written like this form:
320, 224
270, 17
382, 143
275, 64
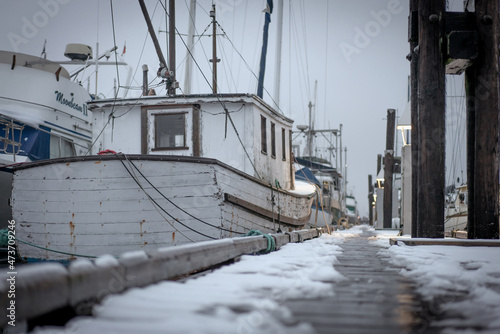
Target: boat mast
260, 87
189, 61
171, 42
277, 68
163, 70
214, 59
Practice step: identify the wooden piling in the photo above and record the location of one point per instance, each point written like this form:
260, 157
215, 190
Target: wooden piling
415, 153
388, 169
485, 183
431, 121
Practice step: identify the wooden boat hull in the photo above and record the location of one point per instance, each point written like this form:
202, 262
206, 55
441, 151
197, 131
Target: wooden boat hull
104, 205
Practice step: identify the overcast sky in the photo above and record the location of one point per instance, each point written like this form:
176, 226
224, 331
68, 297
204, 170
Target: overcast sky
354, 49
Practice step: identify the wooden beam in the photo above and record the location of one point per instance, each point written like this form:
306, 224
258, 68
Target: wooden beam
388, 167
486, 190
462, 50
431, 122
415, 153
470, 88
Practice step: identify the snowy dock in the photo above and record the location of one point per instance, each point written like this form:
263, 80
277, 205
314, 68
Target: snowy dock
352, 281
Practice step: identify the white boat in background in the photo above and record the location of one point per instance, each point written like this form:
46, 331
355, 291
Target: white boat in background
456, 210
327, 209
352, 209
43, 114
177, 178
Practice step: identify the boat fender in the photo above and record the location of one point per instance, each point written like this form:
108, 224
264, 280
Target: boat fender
106, 152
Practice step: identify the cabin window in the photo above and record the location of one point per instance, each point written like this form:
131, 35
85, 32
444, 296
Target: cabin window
283, 144
61, 147
273, 140
263, 134
170, 131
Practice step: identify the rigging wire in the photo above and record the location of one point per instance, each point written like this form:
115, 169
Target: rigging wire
228, 115
227, 69
248, 67
178, 207
114, 45
156, 203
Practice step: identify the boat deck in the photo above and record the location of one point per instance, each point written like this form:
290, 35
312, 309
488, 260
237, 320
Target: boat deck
373, 299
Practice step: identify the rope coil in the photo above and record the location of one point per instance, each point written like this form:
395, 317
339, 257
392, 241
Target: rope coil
271, 243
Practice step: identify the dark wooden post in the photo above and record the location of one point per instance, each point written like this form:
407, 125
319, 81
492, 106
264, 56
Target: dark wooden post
431, 120
485, 189
470, 88
415, 153
370, 200
388, 169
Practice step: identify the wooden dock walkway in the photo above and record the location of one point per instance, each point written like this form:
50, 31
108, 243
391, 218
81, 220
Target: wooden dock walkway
373, 299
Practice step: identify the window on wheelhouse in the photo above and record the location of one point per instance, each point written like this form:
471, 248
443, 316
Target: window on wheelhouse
263, 134
170, 131
273, 140
61, 147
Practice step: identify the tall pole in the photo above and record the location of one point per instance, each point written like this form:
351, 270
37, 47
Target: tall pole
262, 69
310, 133
145, 80
214, 50
277, 67
190, 46
431, 124
485, 183
151, 30
415, 152
171, 43
388, 167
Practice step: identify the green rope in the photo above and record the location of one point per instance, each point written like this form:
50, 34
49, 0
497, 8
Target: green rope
55, 251
271, 244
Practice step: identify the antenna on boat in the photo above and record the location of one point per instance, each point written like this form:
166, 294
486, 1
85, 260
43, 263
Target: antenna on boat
163, 71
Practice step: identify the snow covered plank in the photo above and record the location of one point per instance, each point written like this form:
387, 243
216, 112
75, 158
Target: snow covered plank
446, 242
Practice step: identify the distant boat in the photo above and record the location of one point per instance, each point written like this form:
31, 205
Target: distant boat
352, 209
456, 210
327, 209
43, 114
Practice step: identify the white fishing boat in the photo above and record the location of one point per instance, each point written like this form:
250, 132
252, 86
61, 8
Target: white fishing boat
43, 114
170, 194
164, 170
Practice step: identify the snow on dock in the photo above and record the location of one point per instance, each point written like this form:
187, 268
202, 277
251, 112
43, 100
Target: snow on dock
352, 281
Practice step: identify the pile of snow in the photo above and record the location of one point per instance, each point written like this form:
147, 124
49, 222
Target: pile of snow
462, 283
244, 297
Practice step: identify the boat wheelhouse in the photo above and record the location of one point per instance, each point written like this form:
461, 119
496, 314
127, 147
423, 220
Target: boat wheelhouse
177, 169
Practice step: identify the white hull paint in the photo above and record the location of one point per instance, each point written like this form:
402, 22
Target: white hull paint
92, 205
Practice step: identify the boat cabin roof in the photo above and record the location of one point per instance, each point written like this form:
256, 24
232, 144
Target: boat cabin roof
20, 59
